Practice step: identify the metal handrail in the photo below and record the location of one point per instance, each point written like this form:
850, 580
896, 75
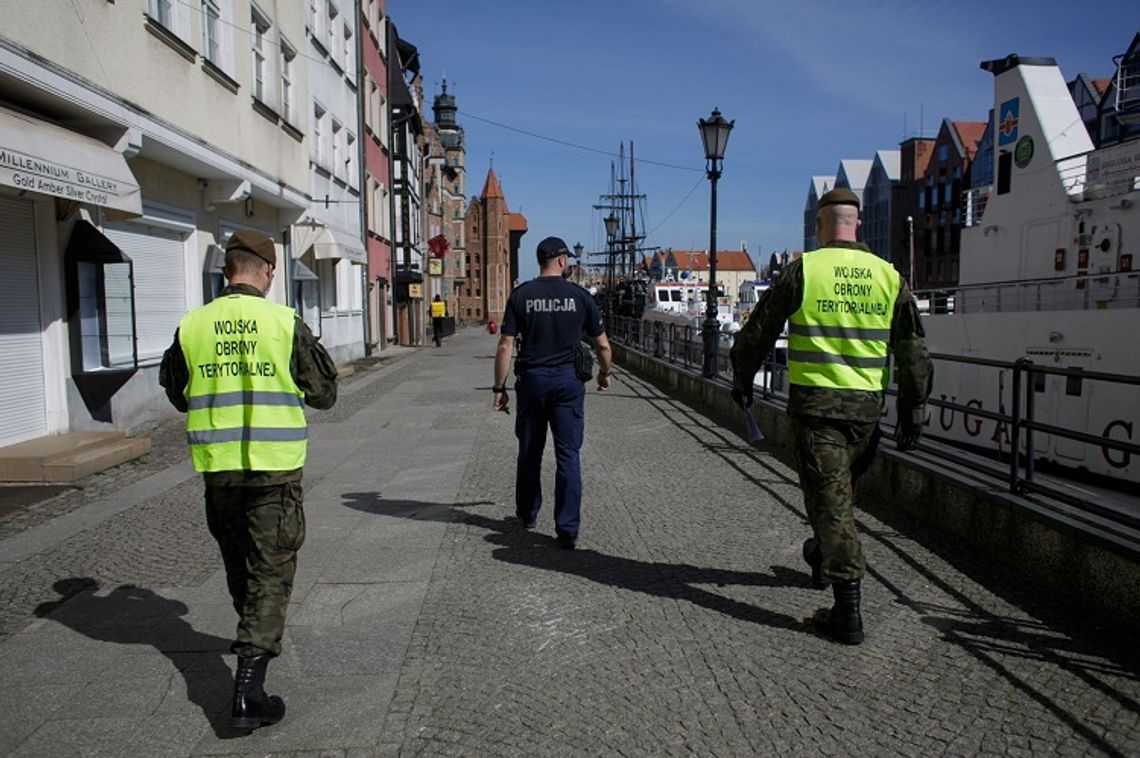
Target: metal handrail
676, 346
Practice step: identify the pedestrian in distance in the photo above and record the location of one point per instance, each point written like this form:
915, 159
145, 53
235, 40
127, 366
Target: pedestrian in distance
846, 309
438, 312
551, 316
242, 369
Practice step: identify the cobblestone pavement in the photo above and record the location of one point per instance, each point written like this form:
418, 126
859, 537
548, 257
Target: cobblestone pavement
679, 626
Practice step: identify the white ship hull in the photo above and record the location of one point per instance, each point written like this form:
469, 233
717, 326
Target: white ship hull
1046, 275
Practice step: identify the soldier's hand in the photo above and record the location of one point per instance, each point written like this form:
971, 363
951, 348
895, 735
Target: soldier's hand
604, 381
742, 397
909, 431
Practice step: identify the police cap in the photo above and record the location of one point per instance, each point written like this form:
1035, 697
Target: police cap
839, 196
255, 243
552, 247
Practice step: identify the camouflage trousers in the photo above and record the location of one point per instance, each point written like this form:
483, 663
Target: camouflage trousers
830, 456
259, 530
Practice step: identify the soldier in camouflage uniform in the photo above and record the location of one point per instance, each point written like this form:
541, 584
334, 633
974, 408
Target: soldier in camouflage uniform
836, 418
256, 516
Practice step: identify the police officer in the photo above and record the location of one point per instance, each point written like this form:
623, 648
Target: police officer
242, 369
846, 308
551, 315
438, 311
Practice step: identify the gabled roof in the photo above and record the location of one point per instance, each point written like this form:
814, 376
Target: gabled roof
969, 133
853, 173
891, 161
491, 187
698, 260
819, 185
1100, 85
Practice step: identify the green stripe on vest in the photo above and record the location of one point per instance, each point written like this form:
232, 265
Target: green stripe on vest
245, 410
840, 335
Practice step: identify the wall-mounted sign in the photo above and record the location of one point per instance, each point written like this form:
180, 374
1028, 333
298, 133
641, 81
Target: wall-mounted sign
435, 267
414, 290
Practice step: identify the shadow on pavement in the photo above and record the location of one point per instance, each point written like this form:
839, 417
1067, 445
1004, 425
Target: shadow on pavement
675, 581
132, 615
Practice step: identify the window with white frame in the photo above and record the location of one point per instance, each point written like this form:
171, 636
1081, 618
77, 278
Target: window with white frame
330, 29
318, 147
212, 31
370, 100
327, 273
350, 159
259, 32
161, 11
349, 52
171, 15
288, 85
337, 150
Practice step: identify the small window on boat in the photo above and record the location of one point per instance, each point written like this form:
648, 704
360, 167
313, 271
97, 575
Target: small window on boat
1073, 385
676, 294
662, 296
1038, 382
1005, 169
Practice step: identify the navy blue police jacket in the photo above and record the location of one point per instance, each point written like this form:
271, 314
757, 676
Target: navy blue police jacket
551, 314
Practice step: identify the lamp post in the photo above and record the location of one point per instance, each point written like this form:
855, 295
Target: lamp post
611, 222
714, 135
578, 262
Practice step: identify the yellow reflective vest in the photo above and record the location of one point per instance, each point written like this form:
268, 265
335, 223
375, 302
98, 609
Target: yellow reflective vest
438, 309
245, 412
839, 336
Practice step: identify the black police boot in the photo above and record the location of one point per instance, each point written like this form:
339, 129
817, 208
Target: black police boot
252, 707
814, 557
843, 622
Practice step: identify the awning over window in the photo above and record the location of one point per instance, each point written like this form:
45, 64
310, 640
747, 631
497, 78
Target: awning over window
331, 243
40, 157
303, 273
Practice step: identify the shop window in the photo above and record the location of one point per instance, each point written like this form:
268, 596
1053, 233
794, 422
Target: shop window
100, 316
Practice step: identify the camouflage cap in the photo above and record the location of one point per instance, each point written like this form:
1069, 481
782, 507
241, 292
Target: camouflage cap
254, 242
839, 196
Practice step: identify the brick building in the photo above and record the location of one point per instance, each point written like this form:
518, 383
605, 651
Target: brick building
493, 234
938, 241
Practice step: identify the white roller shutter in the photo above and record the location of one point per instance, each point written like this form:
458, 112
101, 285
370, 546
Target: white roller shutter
159, 256
22, 403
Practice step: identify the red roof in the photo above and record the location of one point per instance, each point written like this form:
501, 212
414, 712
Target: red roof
516, 222
491, 187
726, 260
969, 134
1100, 85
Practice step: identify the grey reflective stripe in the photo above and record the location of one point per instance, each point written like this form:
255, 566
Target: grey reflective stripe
808, 356
247, 397
842, 332
246, 434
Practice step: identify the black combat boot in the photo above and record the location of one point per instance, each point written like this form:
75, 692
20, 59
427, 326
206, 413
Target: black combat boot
814, 557
843, 622
252, 707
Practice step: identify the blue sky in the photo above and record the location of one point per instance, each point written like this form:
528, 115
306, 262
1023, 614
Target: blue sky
808, 83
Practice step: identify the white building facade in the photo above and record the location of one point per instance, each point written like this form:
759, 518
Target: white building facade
135, 137
328, 242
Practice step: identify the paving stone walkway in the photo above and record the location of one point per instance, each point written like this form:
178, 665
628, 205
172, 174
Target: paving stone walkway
426, 622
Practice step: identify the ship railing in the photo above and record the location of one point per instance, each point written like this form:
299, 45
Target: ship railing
1063, 293
1022, 422
1106, 172
974, 201
682, 346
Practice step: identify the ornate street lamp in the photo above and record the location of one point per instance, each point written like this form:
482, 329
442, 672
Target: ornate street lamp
611, 222
714, 136
578, 262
